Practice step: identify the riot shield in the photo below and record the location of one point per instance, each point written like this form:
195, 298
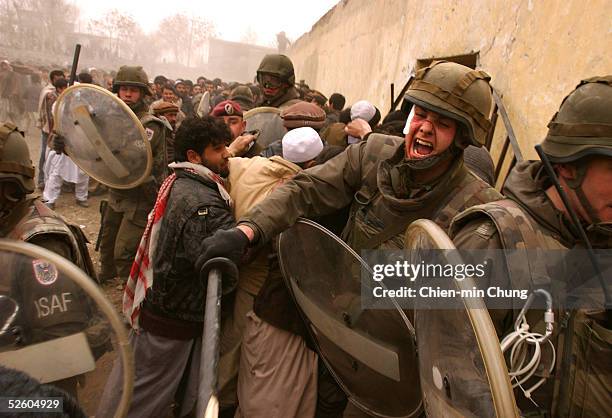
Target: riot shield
268, 122
371, 353
103, 136
463, 373
204, 105
59, 328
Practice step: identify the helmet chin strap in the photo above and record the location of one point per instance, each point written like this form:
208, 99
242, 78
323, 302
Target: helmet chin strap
576, 186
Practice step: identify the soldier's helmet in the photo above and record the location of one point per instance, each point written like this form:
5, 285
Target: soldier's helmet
457, 92
278, 65
583, 124
131, 76
15, 162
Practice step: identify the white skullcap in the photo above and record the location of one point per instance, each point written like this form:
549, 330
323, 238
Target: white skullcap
363, 110
301, 144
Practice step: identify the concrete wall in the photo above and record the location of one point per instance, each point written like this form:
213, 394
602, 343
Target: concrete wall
536, 51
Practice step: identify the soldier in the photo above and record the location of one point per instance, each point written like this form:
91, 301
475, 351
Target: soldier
276, 77
127, 210
24, 217
579, 144
388, 181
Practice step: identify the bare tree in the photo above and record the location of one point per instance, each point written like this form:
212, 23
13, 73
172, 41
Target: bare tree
183, 35
37, 24
121, 31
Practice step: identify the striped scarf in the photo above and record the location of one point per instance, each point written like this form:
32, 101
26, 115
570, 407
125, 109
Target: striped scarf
141, 274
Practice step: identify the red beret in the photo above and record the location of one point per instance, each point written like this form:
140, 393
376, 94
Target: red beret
227, 108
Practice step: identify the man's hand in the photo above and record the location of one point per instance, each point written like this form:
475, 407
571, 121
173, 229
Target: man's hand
229, 243
358, 128
241, 144
58, 144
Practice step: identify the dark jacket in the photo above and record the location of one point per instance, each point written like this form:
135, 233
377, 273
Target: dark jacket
195, 211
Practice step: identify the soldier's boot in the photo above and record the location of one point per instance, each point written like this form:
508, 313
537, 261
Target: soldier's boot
112, 222
128, 238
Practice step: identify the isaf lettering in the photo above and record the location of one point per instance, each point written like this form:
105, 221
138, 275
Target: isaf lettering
53, 304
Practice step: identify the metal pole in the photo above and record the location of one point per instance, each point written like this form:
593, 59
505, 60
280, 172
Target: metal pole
75, 63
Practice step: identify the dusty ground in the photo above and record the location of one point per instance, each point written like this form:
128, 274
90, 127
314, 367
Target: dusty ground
89, 221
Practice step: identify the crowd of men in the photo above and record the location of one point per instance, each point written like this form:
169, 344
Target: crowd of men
214, 191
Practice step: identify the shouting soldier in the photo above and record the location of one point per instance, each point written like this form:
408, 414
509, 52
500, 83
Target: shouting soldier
388, 181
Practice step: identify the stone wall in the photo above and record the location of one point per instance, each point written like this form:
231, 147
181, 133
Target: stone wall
536, 51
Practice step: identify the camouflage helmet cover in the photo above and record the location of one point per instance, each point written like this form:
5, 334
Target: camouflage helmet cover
457, 92
583, 124
15, 162
278, 65
131, 76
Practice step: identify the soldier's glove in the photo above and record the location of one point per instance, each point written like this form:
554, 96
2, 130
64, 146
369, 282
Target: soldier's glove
58, 144
229, 243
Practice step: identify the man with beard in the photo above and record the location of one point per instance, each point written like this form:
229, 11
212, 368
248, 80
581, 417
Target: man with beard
276, 77
534, 216
167, 319
388, 181
127, 210
183, 89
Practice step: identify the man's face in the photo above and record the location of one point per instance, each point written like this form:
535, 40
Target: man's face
171, 117
429, 134
210, 87
214, 157
10, 196
129, 94
56, 77
596, 187
168, 96
235, 124
271, 85
159, 87
182, 89
196, 89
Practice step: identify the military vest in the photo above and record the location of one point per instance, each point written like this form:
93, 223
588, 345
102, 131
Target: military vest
375, 222
583, 371
60, 309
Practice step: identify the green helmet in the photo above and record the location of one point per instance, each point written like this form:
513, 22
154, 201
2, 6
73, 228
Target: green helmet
131, 76
457, 92
15, 162
583, 124
278, 65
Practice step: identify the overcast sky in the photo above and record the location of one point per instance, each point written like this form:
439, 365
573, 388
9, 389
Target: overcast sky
232, 18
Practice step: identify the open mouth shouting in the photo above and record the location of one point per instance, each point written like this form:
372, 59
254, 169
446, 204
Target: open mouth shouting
422, 148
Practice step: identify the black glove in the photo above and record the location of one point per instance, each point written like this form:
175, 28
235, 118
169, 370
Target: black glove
229, 243
59, 145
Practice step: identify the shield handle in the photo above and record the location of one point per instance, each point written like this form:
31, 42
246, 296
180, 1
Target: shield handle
82, 117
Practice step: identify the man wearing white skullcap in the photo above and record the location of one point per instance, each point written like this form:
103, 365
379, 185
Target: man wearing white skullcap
301, 146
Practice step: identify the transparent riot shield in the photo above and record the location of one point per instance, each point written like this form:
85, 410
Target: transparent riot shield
268, 122
103, 136
59, 328
462, 369
371, 353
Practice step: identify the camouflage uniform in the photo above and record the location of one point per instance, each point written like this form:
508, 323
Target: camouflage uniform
127, 210
582, 378
29, 220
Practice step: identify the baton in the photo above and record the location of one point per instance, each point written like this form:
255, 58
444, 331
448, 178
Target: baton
75, 63
208, 402
103, 205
